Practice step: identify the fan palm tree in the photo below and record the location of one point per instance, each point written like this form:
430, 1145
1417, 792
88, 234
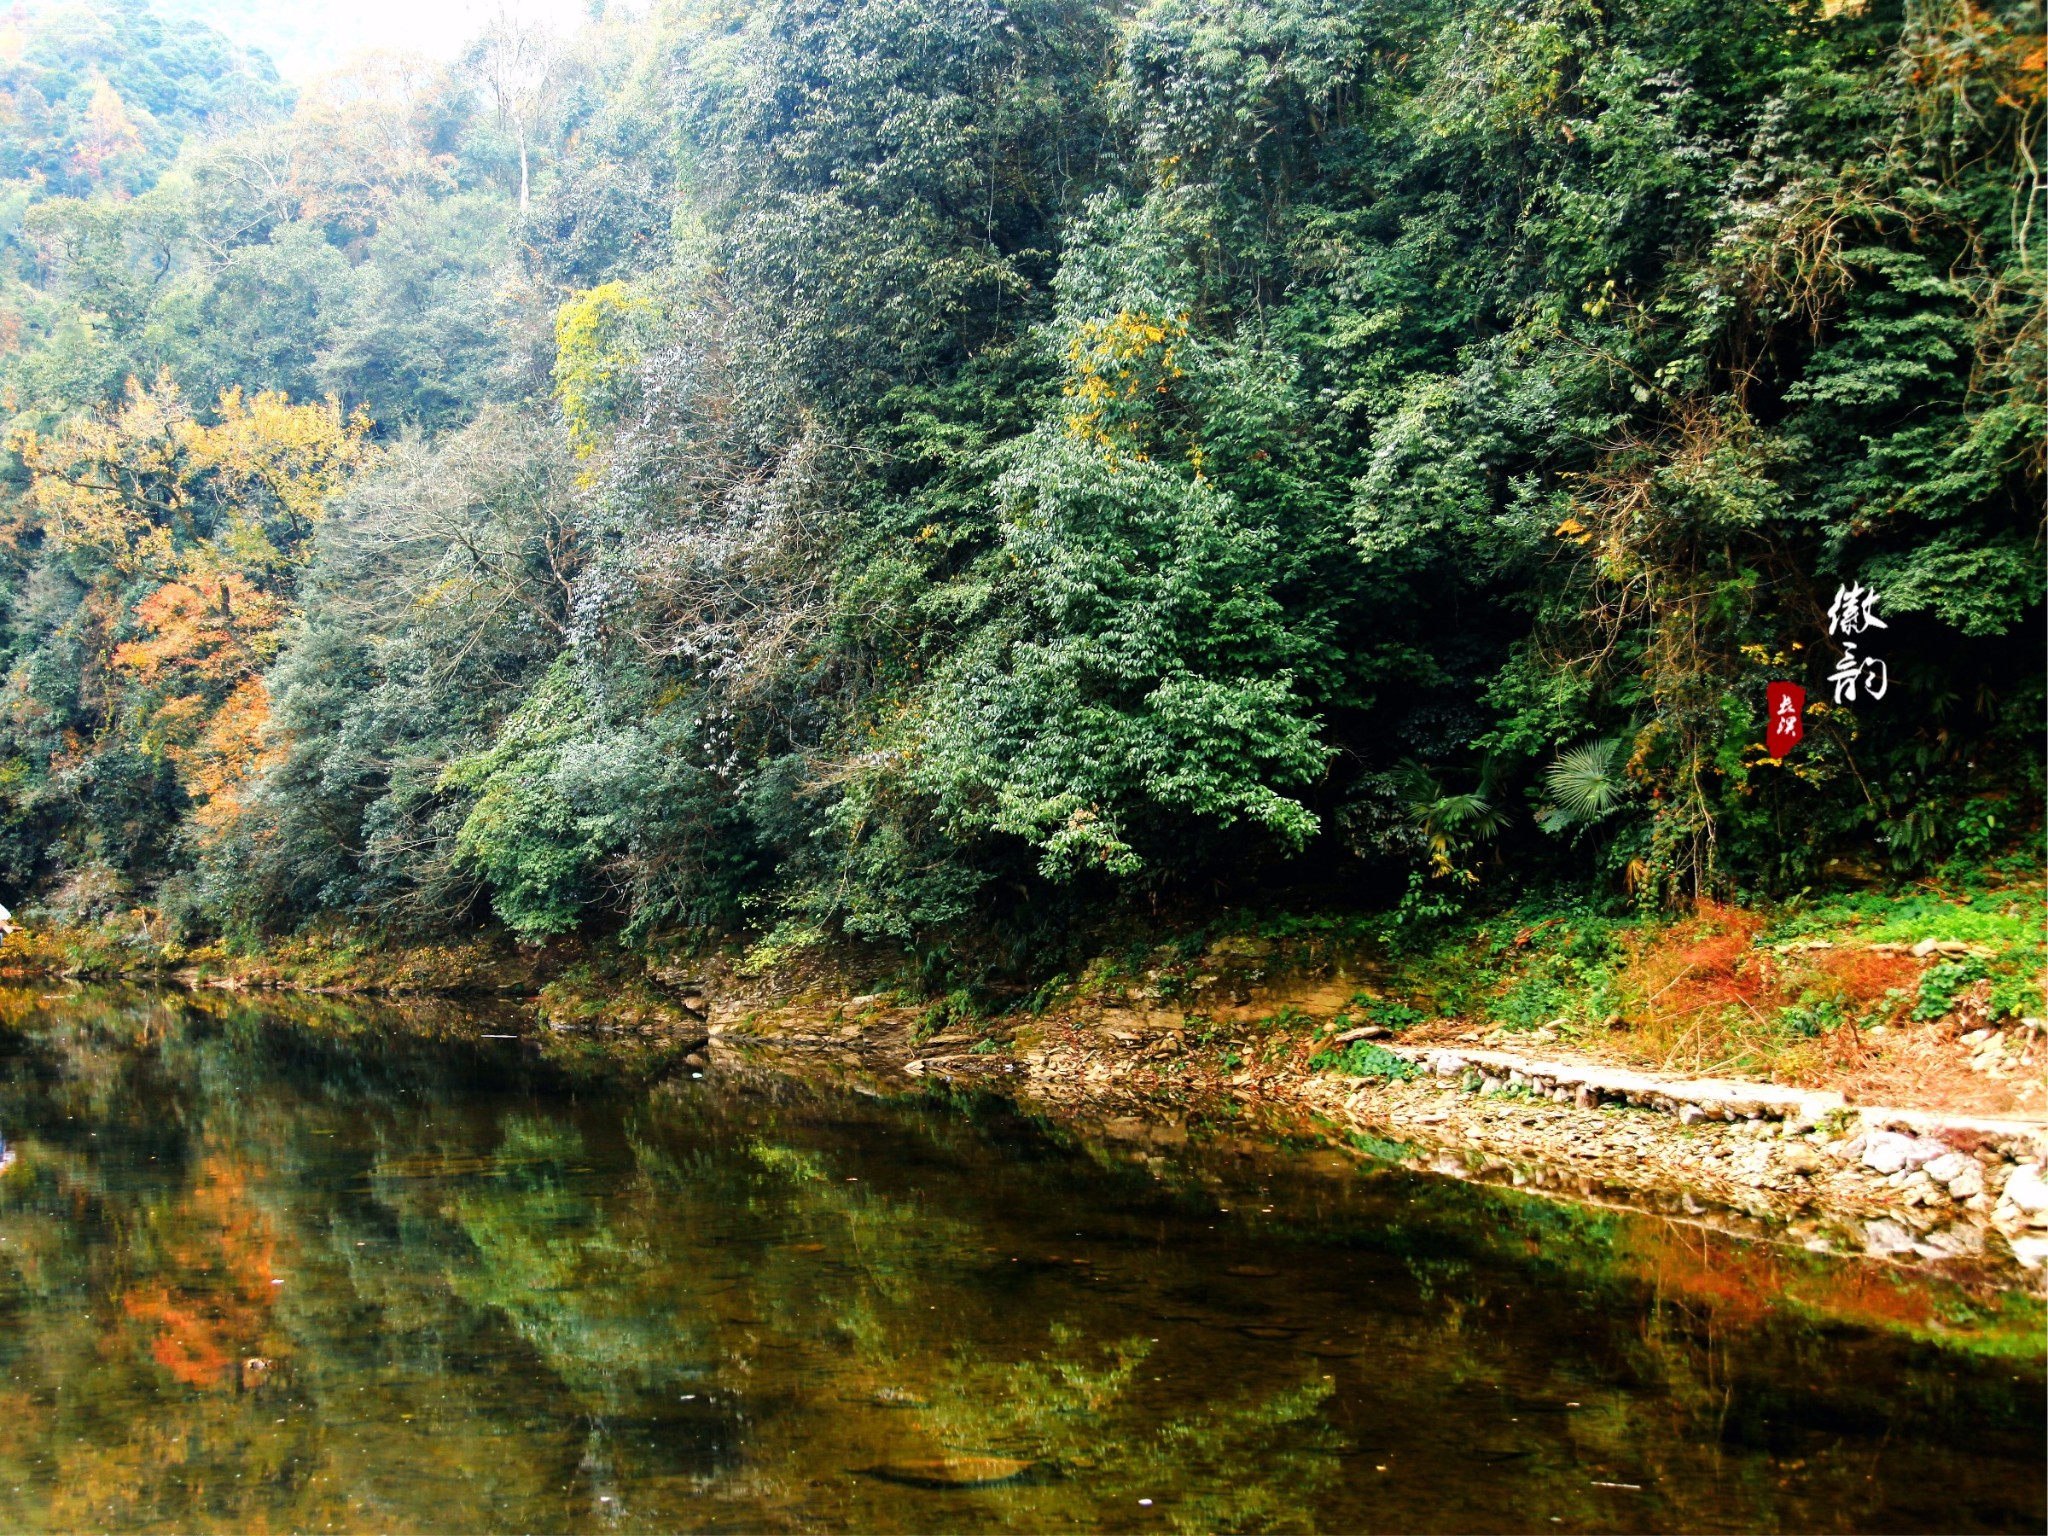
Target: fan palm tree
1449, 822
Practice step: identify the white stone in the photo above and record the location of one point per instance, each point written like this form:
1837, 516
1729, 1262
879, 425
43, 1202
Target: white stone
1969, 1184
1889, 1151
2027, 1190
2030, 1251
1802, 1159
1953, 1242
1948, 1166
1885, 1151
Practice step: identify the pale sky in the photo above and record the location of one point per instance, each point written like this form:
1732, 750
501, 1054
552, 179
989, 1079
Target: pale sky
310, 37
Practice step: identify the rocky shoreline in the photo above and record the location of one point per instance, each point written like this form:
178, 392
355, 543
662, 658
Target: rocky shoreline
1754, 1160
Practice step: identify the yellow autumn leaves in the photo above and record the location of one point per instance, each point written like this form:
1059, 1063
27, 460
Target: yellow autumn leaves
1118, 369
147, 488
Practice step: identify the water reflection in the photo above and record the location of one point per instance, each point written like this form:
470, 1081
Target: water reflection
321, 1266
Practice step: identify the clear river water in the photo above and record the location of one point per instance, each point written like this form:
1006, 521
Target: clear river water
307, 1265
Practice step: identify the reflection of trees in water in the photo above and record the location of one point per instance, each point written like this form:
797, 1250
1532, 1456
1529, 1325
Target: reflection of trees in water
202, 1289
1247, 1460
576, 1273
685, 1275
135, 1270
502, 1307
1679, 1354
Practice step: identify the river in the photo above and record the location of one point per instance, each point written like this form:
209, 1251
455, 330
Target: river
308, 1264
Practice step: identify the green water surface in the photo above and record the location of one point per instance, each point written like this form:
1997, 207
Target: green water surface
272, 1266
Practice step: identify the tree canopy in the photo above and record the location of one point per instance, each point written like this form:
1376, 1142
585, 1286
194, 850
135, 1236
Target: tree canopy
926, 473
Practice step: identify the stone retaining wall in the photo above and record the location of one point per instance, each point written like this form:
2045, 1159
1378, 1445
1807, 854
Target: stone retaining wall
1992, 1168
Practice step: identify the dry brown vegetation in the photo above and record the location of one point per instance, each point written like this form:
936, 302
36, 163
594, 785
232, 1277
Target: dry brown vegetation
1704, 998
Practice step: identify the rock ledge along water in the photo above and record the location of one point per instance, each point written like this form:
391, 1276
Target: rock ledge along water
1590, 1084
1979, 1170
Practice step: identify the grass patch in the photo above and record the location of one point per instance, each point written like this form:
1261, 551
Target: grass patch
1380, 1149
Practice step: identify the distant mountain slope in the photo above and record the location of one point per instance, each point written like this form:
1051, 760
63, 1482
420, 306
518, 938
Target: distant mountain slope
101, 93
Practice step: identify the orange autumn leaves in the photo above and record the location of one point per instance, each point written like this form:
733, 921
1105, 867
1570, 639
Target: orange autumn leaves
1705, 988
207, 630
204, 641
211, 520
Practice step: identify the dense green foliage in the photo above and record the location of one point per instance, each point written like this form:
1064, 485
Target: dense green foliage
921, 472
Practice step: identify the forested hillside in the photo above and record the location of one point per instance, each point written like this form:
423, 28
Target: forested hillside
940, 473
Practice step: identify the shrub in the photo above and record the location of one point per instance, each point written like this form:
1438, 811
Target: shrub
1386, 1013
1361, 1058
1943, 985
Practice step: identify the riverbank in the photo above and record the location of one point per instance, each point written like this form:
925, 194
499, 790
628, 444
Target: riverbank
1861, 1072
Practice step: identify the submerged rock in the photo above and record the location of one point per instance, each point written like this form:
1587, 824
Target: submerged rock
896, 1397
1882, 1239
1951, 1242
951, 1471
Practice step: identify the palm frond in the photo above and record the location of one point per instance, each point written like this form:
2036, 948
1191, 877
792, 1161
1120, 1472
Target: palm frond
1585, 782
1443, 817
